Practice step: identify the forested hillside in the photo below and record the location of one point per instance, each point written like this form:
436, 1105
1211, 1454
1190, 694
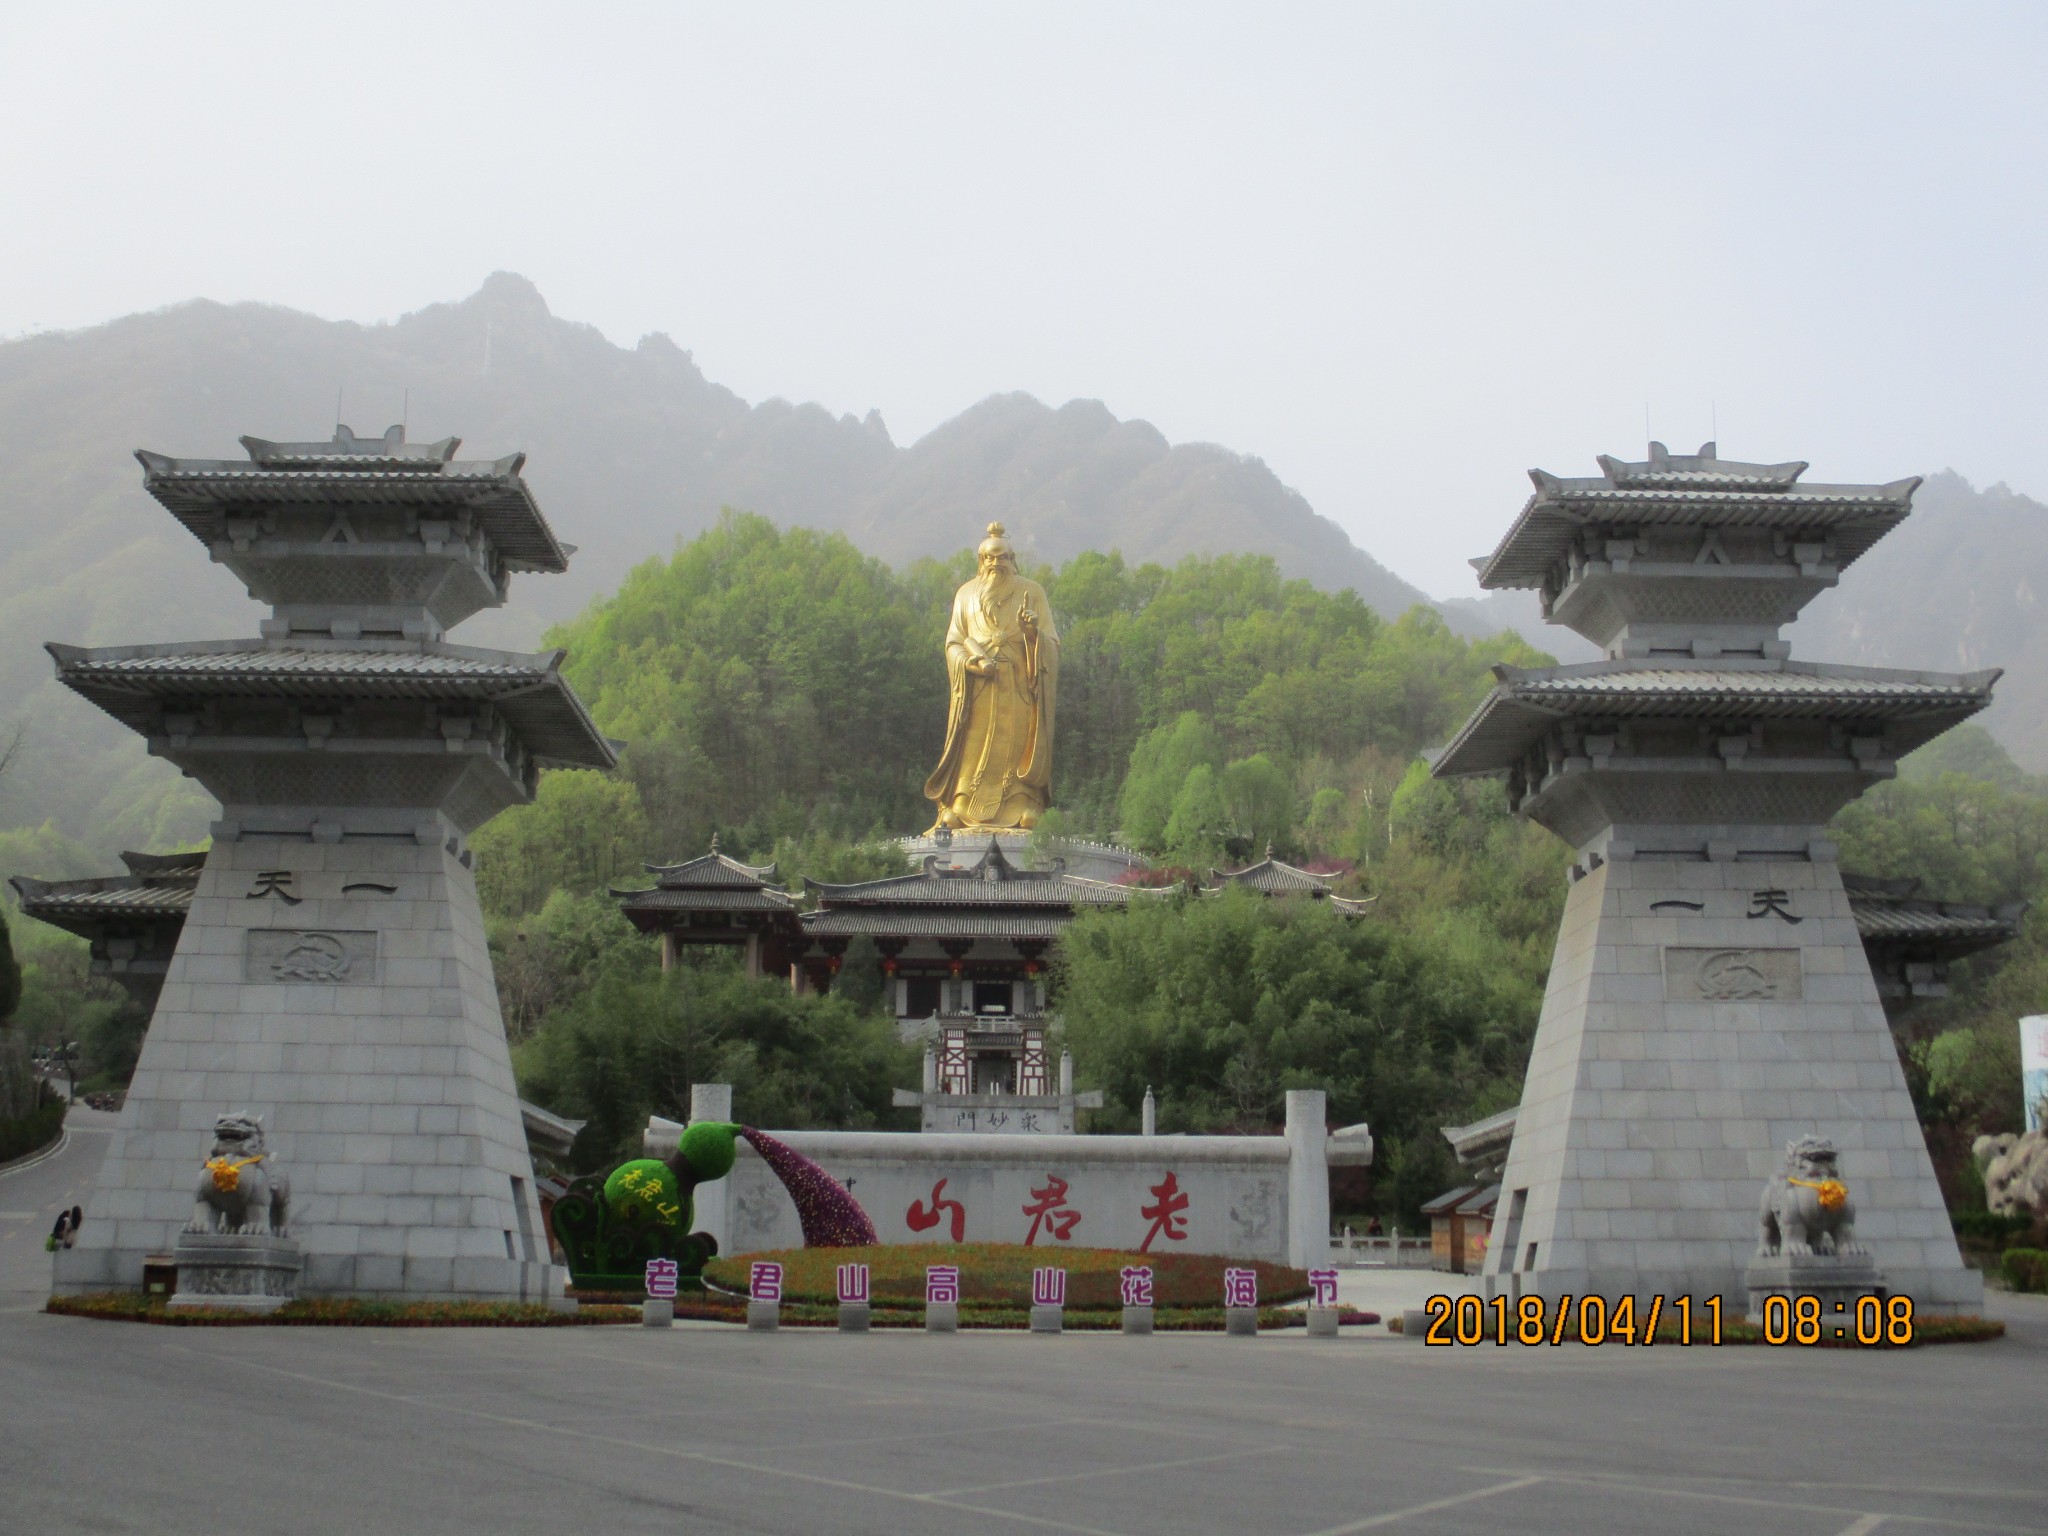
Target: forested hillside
630, 449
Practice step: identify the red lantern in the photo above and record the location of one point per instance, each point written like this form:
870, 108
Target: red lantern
888, 966
1030, 967
832, 964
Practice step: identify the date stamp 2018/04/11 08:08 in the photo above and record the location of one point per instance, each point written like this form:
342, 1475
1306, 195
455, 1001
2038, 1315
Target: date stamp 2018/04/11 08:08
1872, 1320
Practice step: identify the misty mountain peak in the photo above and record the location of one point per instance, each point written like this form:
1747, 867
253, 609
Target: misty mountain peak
507, 294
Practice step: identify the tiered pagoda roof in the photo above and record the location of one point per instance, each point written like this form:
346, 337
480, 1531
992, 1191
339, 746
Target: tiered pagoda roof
1692, 490
142, 685
1908, 708
211, 496
367, 551
1685, 569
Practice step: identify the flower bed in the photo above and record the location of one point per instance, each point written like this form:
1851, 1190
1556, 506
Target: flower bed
1000, 1273
339, 1312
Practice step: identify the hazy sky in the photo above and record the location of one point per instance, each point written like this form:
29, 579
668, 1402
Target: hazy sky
1402, 253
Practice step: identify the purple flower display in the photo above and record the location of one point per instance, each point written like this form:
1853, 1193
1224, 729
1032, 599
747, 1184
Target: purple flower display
831, 1217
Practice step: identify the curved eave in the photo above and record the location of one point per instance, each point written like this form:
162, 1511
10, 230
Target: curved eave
529, 690
1915, 707
1856, 516
202, 493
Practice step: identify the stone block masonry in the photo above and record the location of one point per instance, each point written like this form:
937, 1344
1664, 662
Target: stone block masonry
1679, 1051
383, 1079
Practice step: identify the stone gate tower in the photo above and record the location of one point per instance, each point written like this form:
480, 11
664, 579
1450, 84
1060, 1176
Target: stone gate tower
332, 975
1709, 1000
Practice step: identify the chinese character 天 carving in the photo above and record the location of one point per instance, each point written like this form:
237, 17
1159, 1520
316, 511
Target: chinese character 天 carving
274, 882
1135, 1283
922, 1217
1240, 1287
1765, 903
1168, 1202
764, 1281
853, 1283
1323, 1287
941, 1284
1049, 1208
661, 1278
1048, 1287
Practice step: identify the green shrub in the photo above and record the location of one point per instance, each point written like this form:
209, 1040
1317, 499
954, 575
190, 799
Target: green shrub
31, 1132
2026, 1269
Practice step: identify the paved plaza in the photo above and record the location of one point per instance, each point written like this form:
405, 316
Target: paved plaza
116, 1427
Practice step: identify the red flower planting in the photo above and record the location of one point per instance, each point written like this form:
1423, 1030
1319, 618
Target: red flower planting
831, 1217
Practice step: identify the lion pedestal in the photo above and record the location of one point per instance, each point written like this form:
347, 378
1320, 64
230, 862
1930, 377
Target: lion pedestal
248, 1271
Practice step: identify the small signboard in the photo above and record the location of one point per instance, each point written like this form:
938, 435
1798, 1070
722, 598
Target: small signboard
1048, 1287
853, 1284
941, 1284
1240, 1287
2034, 1068
1323, 1287
764, 1281
662, 1275
1135, 1282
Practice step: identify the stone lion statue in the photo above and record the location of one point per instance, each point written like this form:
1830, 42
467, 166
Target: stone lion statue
1805, 1209
2015, 1170
240, 1189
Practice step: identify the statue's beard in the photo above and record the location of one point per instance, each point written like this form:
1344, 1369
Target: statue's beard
993, 582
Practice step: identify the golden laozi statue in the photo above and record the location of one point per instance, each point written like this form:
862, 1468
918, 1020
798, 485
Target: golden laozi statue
1003, 662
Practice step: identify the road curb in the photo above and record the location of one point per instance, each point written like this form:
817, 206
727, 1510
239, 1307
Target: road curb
20, 1163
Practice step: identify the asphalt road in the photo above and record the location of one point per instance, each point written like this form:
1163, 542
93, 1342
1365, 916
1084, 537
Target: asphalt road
121, 1427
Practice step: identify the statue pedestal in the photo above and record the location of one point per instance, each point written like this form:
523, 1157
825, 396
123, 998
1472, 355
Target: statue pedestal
1839, 1280
245, 1271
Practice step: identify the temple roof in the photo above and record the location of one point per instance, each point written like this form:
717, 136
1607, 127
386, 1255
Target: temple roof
1698, 489
991, 881
101, 896
129, 681
1483, 1141
1893, 911
1914, 706
1271, 877
712, 870
351, 471
1270, 874
157, 887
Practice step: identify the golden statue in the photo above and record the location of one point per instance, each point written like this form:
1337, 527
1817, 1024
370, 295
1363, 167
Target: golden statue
1003, 662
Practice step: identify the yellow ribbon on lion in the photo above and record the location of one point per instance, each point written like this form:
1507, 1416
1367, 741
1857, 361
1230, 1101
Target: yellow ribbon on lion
1834, 1194
227, 1176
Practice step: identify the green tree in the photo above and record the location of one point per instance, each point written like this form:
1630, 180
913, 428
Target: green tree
583, 831
1200, 821
10, 973
634, 1043
1221, 1003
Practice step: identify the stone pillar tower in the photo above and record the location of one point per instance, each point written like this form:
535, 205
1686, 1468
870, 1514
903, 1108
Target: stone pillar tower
332, 976
1708, 1000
